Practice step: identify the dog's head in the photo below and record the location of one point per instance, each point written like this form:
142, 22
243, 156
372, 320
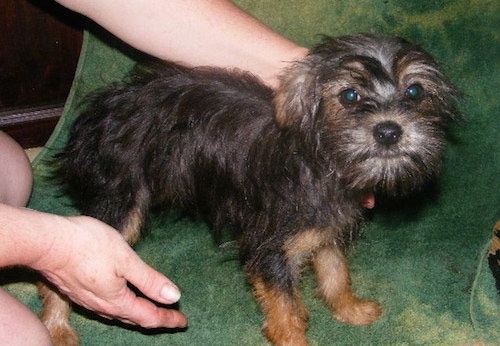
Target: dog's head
375, 107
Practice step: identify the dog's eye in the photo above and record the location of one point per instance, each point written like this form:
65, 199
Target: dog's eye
414, 92
349, 96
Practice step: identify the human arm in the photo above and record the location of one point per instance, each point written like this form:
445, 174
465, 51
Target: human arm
90, 263
194, 33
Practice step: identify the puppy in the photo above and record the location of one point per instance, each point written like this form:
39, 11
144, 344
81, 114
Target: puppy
285, 170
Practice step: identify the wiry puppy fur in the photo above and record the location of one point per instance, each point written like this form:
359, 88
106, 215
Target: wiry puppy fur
287, 169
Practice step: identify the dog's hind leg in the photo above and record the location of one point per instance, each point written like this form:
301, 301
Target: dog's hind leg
55, 316
334, 287
125, 211
285, 314
131, 230
128, 216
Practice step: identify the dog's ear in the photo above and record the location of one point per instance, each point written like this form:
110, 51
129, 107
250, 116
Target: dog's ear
297, 98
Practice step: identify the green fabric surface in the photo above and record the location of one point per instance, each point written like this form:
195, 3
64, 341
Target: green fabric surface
424, 259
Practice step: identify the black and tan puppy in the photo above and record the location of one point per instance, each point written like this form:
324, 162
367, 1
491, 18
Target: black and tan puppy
286, 170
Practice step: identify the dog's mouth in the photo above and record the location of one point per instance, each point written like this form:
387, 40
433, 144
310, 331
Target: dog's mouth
390, 173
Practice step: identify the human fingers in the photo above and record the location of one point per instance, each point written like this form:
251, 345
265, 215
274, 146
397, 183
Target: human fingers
368, 200
150, 282
146, 314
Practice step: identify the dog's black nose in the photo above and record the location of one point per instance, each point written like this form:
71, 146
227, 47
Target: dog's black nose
387, 133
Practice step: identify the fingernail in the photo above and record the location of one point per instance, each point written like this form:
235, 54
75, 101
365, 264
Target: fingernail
170, 293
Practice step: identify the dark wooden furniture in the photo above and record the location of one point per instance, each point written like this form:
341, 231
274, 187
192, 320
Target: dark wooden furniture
40, 43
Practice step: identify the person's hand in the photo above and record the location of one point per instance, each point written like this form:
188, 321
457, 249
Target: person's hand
368, 200
91, 263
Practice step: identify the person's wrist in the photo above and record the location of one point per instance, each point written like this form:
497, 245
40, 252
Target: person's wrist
273, 79
49, 250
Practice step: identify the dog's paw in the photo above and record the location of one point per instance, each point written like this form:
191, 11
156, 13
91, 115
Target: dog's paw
285, 338
64, 336
358, 312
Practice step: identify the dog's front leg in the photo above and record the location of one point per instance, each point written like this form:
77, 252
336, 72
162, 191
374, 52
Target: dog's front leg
55, 316
334, 287
285, 314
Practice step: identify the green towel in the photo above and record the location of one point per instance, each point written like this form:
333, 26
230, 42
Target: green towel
425, 260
